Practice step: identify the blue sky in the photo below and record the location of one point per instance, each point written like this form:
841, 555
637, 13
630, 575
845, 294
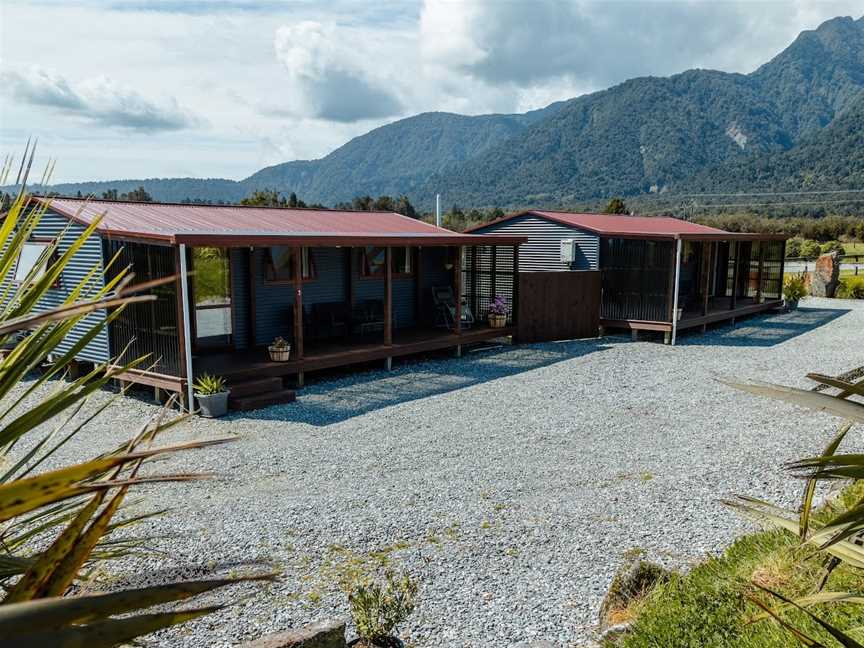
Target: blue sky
208, 88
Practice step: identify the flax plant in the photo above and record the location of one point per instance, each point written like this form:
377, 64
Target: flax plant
56, 523
840, 540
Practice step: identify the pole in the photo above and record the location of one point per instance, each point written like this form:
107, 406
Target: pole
187, 335
438, 210
675, 298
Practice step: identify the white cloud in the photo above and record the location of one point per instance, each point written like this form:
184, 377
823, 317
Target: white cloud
330, 75
100, 100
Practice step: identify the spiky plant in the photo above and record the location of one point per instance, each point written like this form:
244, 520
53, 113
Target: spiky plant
841, 538
53, 523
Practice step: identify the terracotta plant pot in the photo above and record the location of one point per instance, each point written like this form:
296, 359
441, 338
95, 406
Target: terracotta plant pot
497, 321
280, 354
213, 405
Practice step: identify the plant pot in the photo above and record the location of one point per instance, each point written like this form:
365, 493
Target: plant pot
790, 304
280, 354
497, 321
213, 405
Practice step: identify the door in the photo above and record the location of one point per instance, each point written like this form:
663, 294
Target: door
211, 296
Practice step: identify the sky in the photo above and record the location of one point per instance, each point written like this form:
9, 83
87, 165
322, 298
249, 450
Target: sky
221, 88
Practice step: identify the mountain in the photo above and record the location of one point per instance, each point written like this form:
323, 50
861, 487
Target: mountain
642, 136
829, 159
647, 134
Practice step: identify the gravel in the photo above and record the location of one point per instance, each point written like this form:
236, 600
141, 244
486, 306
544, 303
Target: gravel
509, 482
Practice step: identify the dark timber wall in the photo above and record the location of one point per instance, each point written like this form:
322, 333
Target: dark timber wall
558, 305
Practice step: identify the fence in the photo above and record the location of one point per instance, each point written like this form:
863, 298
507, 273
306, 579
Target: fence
558, 305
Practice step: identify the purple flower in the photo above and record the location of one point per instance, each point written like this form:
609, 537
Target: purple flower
498, 306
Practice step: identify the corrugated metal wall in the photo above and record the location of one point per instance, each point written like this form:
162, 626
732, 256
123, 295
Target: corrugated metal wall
89, 256
240, 295
543, 249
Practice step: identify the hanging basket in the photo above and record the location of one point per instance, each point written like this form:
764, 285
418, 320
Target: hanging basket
280, 354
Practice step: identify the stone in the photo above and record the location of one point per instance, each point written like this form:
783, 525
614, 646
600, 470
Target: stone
633, 580
537, 644
329, 633
826, 275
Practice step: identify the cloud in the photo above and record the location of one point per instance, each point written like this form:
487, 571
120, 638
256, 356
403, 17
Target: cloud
100, 100
332, 76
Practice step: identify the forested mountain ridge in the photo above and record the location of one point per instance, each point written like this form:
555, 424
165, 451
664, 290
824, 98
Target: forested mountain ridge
646, 135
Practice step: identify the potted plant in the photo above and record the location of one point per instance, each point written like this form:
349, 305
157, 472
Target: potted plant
794, 288
378, 606
212, 395
498, 312
280, 350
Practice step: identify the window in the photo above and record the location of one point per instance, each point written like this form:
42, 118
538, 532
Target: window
31, 254
374, 259
211, 289
280, 263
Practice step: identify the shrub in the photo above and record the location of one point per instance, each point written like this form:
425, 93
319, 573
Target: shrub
378, 607
851, 288
833, 246
794, 288
793, 247
810, 249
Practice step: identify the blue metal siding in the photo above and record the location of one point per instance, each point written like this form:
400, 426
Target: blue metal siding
543, 249
51, 226
240, 295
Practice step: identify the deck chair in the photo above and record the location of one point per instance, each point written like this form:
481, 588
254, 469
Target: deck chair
445, 308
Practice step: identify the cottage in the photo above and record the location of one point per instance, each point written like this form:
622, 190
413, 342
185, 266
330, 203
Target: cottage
657, 273
342, 287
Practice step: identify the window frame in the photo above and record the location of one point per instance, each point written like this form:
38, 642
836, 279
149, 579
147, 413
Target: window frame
306, 259
45, 243
409, 258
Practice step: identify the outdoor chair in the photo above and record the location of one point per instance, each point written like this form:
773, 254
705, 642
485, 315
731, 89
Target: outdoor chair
367, 316
445, 309
328, 320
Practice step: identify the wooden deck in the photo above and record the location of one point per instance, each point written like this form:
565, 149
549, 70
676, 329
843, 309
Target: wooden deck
256, 363
718, 311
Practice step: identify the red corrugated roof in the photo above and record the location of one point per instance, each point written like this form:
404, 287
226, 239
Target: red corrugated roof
617, 225
620, 225
167, 221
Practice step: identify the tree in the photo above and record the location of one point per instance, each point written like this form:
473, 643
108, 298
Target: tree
139, 195
793, 247
384, 203
833, 246
362, 203
110, 194
264, 198
404, 207
810, 249
616, 206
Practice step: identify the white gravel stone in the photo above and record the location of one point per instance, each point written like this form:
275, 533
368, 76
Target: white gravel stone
510, 482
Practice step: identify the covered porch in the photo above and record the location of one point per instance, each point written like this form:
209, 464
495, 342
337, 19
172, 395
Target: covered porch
685, 282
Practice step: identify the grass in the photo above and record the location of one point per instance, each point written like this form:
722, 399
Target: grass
707, 608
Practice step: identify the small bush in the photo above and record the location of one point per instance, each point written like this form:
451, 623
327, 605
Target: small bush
811, 249
851, 288
833, 246
793, 247
794, 288
378, 607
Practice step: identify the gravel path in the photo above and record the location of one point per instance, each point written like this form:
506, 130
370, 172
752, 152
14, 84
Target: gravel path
510, 482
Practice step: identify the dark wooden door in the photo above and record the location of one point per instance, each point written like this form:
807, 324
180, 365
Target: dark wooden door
558, 305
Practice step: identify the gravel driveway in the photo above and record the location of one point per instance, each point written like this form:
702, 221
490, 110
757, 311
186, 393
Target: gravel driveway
510, 482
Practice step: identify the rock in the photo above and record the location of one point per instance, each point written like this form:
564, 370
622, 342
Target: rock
614, 632
322, 634
634, 580
536, 644
826, 275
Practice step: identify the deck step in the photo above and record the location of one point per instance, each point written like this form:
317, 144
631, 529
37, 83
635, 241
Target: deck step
257, 401
244, 388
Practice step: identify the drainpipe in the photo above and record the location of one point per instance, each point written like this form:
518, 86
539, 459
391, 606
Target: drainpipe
675, 299
187, 333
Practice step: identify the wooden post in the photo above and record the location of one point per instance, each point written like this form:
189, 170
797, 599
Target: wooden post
759, 273
388, 295
253, 315
736, 249
184, 336
783, 265
298, 310
514, 314
474, 308
670, 288
457, 288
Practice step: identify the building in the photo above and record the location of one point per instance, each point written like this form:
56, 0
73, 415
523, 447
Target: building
342, 287
657, 273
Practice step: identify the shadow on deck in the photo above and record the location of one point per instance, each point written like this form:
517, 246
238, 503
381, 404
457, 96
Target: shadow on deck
764, 330
344, 397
